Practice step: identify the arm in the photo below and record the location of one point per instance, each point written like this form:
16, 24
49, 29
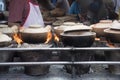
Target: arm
13, 23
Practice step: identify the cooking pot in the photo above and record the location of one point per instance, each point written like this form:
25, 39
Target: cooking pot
78, 38
115, 25
6, 30
112, 35
99, 28
34, 35
5, 40
5, 56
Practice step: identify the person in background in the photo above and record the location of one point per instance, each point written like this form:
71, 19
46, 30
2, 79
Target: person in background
111, 6
63, 4
75, 8
95, 8
80, 8
24, 13
117, 8
70, 2
92, 10
7, 4
46, 5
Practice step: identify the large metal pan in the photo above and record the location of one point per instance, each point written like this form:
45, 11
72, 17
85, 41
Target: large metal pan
112, 35
78, 38
34, 35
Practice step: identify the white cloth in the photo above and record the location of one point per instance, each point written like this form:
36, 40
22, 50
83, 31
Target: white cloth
34, 17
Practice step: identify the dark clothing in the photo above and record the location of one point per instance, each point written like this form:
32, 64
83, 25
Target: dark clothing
19, 10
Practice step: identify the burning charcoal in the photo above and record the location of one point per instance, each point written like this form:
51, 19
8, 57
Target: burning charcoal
26, 45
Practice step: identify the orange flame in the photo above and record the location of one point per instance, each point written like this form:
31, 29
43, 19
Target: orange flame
110, 44
56, 38
97, 39
17, 38
49, 37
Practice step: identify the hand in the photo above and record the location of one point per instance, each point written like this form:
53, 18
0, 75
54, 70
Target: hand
14, 28
49, 28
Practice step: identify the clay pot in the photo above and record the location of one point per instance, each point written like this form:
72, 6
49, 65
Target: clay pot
112, 35
78, 38
34, 35
99, 28
6, 30
5, 40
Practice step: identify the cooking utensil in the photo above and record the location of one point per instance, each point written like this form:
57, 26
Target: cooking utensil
112, 35
6, 30
34, 35
78, 38
99, 28
5, 40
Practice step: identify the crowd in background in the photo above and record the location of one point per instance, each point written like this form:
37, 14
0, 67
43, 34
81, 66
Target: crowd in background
92, 10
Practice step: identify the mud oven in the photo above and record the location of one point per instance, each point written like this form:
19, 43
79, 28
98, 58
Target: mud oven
37, 58
77, 55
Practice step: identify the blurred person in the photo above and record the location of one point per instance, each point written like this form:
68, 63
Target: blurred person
24, 13
111, 6
63, 4
117, 8
80, 8
92, 10
46, 5
70, 2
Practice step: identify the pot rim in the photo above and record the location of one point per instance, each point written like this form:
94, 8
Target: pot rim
65, 28
70, 35
7, 38
112, 31
105, 21
33, 31
4, 26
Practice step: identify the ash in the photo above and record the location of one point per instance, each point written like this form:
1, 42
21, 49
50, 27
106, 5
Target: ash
26, 45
